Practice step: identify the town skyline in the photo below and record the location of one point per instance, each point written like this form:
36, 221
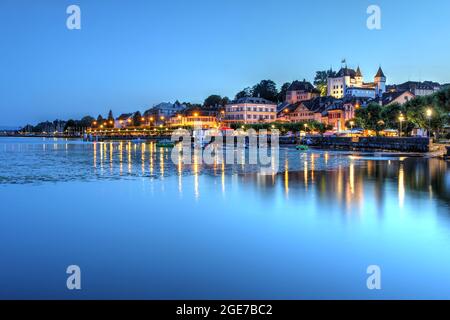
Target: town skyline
132, 59
344, 65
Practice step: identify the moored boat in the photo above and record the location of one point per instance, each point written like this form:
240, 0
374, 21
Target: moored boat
302, 147
165, 144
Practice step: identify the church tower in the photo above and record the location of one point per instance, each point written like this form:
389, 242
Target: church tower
380, 81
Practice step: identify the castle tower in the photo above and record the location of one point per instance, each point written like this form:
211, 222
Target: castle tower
380, 81
359, 77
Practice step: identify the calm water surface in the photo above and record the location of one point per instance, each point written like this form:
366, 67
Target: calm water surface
140, 226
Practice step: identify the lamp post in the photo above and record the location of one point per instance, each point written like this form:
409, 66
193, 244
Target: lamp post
429, 114
352, 123
401, 118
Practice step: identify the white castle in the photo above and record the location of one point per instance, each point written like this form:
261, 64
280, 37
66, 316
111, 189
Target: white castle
349, 82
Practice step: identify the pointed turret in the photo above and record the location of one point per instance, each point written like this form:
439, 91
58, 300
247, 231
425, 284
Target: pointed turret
380, 73
358, 72
380, 81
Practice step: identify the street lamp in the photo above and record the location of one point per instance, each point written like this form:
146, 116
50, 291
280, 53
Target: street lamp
429, 114
352, 123
401, 118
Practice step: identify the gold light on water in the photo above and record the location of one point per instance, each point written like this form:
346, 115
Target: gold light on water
401, 186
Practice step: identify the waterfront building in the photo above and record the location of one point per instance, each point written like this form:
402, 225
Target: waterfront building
350, 82
327, 110
163, 111
250, 110
301, 91
341, 111
194, 119
304, 111
124, 120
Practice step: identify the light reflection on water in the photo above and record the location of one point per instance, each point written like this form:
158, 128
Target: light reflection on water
170, 230
33, 161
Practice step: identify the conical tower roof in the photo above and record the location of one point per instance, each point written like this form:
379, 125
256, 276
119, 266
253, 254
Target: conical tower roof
358, 72
380, 73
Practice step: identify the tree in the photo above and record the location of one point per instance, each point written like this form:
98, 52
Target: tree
110, 120
70, 124
247, 92
86, 121
283, 90
137, 119
212, 101
416, 112
266, 89
322, 76
390, 114
100, 120
321, 80
224, 101
442, 100
370, 118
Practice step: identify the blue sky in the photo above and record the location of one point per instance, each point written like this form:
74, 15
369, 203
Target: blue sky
130, 55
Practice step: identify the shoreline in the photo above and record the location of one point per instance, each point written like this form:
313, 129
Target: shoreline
440, 152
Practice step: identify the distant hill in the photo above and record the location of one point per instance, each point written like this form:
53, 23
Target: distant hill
8, 128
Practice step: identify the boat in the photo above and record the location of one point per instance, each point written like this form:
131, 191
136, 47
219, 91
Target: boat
302, 147
165, 144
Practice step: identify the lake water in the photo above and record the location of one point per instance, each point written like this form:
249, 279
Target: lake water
140, 226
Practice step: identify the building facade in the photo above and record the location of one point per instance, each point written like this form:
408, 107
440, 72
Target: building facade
250, 110
327, 110
400, 97
418, 89
301, 91
193, 121
163, 111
